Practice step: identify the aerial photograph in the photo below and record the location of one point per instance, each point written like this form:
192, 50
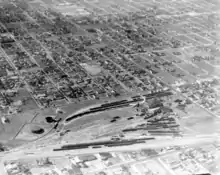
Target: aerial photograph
109, 87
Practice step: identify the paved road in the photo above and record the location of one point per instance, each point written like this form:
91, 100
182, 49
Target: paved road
48, 151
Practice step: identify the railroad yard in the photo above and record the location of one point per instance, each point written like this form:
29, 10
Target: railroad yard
87, 71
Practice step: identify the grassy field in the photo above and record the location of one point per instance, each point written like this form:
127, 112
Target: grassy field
168, 78
16, 122
198, 120
29, 103
101, 118
191, 69
26, 134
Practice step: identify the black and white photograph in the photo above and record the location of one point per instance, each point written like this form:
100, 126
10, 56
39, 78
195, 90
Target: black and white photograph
109, 87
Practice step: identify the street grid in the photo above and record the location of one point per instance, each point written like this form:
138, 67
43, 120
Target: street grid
66, 54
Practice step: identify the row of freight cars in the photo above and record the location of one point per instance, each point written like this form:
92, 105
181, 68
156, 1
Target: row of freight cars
103, 144
119, 104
